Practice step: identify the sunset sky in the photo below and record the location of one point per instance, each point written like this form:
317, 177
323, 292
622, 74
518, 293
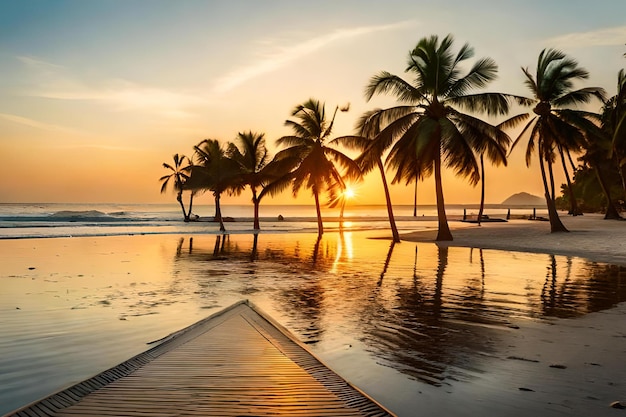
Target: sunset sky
96, 95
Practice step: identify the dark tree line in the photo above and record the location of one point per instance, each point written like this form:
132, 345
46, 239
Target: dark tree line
434, 126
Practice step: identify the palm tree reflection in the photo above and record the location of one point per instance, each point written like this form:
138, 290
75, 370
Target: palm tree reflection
426, 312
254, 253
415, 335
388, 259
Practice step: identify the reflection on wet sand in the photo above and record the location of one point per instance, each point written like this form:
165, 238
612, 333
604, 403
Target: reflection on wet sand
436, 320
417, 336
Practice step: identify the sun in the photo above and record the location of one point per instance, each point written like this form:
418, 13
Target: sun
349, 192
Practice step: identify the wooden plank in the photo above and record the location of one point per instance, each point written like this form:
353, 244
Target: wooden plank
237, 362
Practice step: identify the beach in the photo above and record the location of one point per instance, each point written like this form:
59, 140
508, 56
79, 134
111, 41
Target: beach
590, 237
507, 319
569, 366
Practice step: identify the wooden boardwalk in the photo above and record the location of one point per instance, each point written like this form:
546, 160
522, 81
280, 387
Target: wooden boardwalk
235, 363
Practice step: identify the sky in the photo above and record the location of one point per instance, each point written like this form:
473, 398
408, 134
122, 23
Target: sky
96, 95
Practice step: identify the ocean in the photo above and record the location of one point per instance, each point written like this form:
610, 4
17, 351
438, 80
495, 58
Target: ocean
74, 220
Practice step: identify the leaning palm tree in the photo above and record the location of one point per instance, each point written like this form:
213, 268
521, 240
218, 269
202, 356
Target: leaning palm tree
314, 163
430, 123
216, 172
556, 130
179, 175
368, 128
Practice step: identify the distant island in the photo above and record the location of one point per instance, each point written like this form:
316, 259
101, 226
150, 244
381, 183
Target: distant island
524, 199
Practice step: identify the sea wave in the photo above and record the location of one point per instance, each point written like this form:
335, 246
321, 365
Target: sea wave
24, 221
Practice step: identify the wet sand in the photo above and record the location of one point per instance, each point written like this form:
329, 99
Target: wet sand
574, 366
424, 319
589, 237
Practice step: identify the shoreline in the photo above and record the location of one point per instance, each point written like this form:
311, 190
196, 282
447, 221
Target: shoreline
590, 237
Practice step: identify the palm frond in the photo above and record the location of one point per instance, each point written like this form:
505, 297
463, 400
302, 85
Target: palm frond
294, 140
485, 139
352, 169
482, 73
300, 130
276, 186
531, 83
457, 152
533, 141
490, 103
165, 180
352, 142
466, 52
513, 121
522, 134
580, 96
385, 82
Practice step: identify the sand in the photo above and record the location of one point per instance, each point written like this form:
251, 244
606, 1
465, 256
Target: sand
576, 367
590, 237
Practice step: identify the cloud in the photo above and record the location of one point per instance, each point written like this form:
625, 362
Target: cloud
123, 95
39, 65
98, 147
286, 55
37, 124
602, 37
56, 82
101, 143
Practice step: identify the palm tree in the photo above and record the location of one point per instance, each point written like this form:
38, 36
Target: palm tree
555, 129
253, 164
614, 121
340, 198
368, 128
431, 124
179, 175
216, 172
605, 150
313, 161
596, 158
482, 188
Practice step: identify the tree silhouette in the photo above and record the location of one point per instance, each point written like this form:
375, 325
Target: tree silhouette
311, 157
431, 124
178, 176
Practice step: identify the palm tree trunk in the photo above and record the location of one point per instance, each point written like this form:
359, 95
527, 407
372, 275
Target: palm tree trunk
482, 188
218, 212
444, 230
343, 206
611, 210
552, 187
415, 197
573, 204
442, 256
320, 225
255, 243
256, 202
192, 193
179, 198
392, 220
571, 161
387, 260
555, 222
621, 169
